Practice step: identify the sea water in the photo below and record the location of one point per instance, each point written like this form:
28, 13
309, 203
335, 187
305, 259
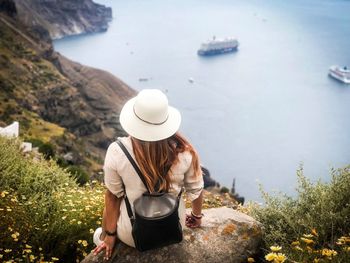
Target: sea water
255, 115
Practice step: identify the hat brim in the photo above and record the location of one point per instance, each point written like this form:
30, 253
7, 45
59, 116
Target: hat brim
148, 132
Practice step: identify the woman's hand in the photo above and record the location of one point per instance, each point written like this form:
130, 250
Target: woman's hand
108, 245
193, 222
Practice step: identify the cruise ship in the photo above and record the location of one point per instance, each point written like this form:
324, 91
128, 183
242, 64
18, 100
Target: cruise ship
340, 73
218, 46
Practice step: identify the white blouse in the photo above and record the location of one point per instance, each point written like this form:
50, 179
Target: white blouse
118, 170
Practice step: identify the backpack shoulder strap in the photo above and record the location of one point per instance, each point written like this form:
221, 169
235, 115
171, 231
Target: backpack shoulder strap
133, 163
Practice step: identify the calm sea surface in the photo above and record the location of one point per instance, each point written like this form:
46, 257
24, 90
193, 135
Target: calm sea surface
254, 115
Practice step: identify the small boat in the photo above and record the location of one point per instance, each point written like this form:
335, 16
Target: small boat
218, 46
340, 73
190, 80
143, 79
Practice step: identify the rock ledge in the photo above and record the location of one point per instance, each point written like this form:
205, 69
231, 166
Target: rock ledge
226, 235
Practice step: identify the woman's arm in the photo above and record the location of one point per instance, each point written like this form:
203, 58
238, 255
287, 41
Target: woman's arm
197, 205
111, 212
195, 218
194, 187
109, 222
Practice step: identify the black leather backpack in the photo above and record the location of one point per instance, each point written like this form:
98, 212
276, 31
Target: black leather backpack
155, 220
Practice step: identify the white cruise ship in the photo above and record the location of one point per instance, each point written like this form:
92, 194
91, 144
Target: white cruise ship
218, 46
340, 73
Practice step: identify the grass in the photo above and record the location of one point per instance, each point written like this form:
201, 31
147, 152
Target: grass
44, 130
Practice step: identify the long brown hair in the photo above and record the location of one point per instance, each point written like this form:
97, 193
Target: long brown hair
155, 159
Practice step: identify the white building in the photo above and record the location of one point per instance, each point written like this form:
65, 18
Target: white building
13, 131
10, 131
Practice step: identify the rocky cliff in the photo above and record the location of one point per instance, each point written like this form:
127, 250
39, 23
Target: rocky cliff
64, 17
57, 100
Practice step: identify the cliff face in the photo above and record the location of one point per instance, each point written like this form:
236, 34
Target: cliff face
64, 17
45, 92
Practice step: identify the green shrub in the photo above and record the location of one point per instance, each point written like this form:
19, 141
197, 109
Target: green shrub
47, 149
78, 173
224, 190
320, 212
44, 214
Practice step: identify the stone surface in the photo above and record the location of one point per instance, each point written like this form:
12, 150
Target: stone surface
226, 235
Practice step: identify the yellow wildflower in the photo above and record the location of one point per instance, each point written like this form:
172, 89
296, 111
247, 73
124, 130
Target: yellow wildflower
55, 259
64, 217
346, 239
31, 258
40, 249
9, 209
1, 255
275, 248
8, 250
307, 241
14, 236
79, 222
3, 194
84, 243
27, 246
270, 256
328, 252
340, 241
91, 231
250, 260
316, 260
27, 251
347, 249
314, 232
295, 243
308, 236
298, 248
280, 258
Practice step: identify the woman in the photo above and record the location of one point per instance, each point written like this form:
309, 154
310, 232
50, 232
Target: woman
157, 147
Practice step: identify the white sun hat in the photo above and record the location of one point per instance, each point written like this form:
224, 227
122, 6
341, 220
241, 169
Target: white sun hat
148, 116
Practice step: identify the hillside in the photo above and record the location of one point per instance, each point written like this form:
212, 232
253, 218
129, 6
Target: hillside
56, 100
64, 17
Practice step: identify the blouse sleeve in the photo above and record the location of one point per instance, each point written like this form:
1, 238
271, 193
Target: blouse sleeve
193, 184
112, 179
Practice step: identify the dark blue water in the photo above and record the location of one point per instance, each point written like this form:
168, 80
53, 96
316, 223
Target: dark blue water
254, 115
